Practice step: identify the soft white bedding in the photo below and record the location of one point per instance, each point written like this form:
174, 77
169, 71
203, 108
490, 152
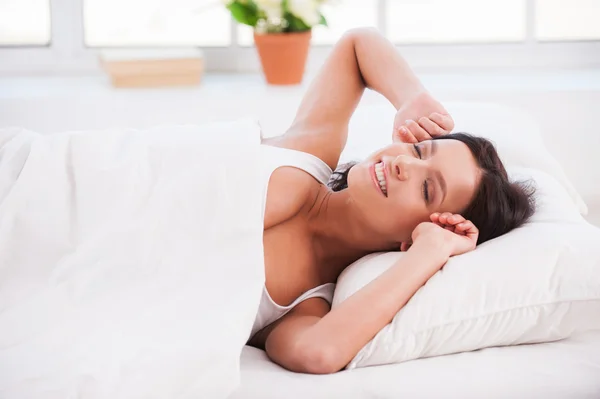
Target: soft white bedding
115, 262
568, 369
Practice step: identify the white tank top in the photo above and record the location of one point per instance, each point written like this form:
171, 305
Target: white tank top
275, 157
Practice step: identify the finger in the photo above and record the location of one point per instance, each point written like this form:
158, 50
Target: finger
443, 120
431, 127
442, 225
470, 230
417, 131
405, 136
435, 217
464, 226
449, 228
444, 217
458, 231
473, 234
397, 135
456, 218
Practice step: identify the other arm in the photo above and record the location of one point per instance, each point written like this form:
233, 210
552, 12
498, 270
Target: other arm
312, 340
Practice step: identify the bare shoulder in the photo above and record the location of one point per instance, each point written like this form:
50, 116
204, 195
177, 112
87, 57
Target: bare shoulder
290, 190
324, 141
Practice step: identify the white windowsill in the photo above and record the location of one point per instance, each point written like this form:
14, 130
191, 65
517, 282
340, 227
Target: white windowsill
471, 81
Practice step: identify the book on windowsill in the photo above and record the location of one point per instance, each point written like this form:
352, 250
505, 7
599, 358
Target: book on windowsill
153, 67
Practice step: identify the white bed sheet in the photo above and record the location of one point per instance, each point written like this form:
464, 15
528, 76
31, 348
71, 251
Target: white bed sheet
568, 369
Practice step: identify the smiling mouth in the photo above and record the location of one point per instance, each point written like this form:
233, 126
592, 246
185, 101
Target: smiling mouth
380, 177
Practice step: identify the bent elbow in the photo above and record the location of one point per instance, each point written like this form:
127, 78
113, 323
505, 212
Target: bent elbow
320, 360
362, 31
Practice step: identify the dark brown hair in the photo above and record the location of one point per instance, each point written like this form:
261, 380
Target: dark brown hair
499, 205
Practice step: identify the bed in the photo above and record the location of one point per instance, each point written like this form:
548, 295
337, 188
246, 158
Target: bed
567, 369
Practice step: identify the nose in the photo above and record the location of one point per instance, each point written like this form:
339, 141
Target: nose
402, 166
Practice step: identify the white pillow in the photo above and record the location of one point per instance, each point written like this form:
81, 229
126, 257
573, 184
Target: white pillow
515, 134
538, 283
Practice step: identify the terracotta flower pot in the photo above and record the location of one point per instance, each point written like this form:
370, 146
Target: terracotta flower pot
283, 56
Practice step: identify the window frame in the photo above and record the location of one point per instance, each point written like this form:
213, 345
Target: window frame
67, 52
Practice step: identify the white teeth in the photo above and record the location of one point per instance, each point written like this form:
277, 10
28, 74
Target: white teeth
381, 177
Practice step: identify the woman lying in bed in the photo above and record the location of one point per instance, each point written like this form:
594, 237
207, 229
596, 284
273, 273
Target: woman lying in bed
430, 193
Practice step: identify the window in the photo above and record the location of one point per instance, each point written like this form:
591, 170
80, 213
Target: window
341, 15
110, 23
567, 20
25, 22
345, 15
57, 35
443, 21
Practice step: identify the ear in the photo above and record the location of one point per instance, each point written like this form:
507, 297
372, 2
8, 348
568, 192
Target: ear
405, 245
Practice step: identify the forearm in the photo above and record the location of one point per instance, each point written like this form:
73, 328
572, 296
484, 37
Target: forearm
383, 69
352, 324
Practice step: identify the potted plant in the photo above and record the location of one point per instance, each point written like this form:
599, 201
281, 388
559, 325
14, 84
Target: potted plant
282, 32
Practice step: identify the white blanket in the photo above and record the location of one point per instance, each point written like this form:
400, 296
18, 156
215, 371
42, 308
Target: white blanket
119, 254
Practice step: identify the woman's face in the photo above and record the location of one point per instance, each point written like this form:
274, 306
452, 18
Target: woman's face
401, 185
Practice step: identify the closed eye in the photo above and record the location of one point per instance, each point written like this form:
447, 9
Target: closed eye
425, 187
418, 151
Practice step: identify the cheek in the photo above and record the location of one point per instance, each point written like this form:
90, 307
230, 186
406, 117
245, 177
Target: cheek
407, 201
408, 210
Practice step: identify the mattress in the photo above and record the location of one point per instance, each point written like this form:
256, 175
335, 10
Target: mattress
568, 369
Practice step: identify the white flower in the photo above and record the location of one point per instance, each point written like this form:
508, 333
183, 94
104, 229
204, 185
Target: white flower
273, 8
306, 10
228, 2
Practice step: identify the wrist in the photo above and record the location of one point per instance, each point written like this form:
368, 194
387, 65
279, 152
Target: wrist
426, 258
409, 92
433, 245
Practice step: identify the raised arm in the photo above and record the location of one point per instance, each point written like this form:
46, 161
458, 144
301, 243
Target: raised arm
362, 58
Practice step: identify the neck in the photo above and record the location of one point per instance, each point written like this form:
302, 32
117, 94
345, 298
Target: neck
341, 233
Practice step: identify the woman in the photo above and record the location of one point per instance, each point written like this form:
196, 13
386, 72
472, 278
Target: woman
431, 198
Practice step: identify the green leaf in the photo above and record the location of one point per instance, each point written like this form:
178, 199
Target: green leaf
323, 20
246, 14
295, 23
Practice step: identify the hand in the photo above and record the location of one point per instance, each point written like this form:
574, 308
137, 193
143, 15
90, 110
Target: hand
452, 232
421, 118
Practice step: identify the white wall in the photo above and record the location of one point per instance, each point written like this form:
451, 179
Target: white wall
566, 104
